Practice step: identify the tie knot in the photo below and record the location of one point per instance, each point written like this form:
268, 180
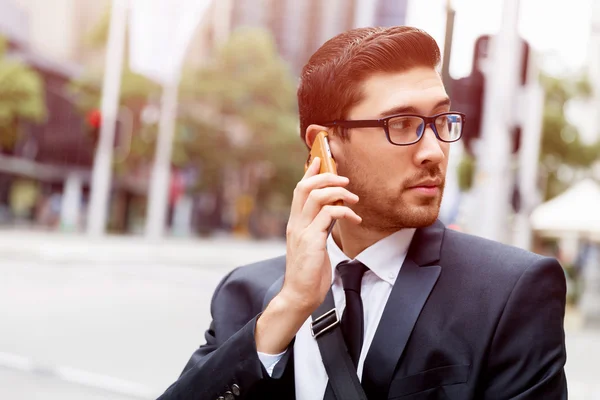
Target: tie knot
351, 273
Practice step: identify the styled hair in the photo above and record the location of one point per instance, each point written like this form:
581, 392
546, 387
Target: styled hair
331, 81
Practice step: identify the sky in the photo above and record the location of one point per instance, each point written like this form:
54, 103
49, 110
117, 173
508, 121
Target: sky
560, 29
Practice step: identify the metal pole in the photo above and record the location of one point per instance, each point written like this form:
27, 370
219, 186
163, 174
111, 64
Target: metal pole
102, 169
531, 105
450, 14
493, 180
161, 171
529, 155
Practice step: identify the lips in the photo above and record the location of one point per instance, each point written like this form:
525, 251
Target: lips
429, 183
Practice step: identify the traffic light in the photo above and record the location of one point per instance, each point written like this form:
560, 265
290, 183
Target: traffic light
94, 122
468, 93
467, 97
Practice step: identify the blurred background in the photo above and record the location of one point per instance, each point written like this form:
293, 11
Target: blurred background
147, 147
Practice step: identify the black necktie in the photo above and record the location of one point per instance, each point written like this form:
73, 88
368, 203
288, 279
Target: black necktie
351, 273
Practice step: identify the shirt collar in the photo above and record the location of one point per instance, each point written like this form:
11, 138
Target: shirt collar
384, 257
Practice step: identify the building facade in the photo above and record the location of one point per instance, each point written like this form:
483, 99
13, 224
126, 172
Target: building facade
299, 27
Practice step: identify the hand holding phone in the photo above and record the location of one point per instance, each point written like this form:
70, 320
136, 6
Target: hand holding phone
318, 201
321, 149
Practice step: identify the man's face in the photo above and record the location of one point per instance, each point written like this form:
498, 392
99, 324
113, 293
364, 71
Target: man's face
399, 186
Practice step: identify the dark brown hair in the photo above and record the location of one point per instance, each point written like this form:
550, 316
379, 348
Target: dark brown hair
330, 81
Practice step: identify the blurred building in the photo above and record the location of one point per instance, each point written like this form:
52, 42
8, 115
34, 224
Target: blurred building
46, 152
298, 27
59, 29
53, 38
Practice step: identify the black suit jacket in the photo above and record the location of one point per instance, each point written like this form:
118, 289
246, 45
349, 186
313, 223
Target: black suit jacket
467, 318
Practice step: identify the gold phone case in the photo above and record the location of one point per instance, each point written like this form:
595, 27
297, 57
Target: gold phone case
321, 149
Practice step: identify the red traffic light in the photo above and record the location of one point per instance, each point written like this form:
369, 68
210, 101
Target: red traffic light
94, 118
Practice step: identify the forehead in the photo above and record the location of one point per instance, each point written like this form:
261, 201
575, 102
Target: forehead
420, 88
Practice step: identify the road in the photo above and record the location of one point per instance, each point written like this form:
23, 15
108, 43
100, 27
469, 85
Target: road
126, 329
119, 332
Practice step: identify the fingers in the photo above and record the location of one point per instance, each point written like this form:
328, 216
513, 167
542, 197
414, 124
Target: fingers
313, 168
312, 180
329, 213
318, 198
297, 203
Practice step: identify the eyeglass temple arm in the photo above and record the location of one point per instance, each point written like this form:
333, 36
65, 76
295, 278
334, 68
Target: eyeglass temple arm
364, 123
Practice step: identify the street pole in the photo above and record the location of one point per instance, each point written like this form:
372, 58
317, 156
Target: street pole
450, 15
452, 195
493, 179
102, 169
532, 106
161, 170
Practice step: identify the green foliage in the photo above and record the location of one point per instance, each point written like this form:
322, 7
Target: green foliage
560, 143
247, 80
21, 97
134, 87
97, 37
245, 87
466, 172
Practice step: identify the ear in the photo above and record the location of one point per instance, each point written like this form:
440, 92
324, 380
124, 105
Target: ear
311, 133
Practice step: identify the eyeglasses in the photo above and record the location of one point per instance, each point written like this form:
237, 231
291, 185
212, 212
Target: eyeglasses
404, 129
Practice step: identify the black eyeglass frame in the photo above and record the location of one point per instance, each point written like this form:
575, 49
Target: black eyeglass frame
384, 123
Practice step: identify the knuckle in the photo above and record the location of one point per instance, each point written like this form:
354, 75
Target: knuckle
289, 231
313, 195
300, 186
328, 209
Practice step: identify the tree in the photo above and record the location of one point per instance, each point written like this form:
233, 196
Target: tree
561, 145
247, 83
237, 112
21, 98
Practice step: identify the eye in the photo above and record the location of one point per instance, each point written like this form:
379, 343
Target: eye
404, 123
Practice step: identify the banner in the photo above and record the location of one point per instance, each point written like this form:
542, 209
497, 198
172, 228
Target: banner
159, 34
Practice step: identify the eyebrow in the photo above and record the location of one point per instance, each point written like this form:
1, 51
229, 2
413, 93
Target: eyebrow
411, 109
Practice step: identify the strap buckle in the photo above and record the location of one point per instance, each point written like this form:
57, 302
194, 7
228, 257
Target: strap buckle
324, 323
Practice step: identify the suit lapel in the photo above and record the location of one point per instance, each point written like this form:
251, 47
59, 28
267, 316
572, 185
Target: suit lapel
415, 282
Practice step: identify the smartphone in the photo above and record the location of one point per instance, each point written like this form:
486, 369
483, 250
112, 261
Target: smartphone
321, 149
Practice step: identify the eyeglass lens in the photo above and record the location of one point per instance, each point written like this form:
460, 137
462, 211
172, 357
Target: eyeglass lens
409, 129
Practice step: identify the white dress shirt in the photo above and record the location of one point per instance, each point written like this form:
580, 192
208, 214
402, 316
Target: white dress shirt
384, 260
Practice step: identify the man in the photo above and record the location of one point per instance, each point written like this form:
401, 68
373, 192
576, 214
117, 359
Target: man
441, 314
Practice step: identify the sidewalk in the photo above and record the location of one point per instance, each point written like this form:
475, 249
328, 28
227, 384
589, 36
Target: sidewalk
63, 248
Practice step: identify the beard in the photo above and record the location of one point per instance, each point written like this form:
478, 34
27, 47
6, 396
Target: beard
392, 209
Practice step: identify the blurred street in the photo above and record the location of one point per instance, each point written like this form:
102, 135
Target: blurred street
104, 330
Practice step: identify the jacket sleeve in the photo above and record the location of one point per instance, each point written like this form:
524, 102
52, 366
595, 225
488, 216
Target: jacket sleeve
527, 353
228, 362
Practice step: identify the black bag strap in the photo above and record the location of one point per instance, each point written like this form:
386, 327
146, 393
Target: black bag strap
325, 328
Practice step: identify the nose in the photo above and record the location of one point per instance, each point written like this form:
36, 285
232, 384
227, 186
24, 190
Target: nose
429, 148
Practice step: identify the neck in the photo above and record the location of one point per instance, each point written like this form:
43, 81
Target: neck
353, 239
